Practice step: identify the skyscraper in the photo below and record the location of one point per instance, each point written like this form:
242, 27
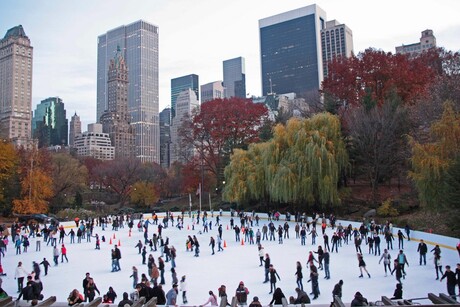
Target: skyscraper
139, 43
180, 84
290, 51
74, 128
165, 137
115, 120
16, 56
336, 41
186, 103
49, 124
213, 90
234, 78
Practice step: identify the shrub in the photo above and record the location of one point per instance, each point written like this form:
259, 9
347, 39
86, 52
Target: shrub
386, 209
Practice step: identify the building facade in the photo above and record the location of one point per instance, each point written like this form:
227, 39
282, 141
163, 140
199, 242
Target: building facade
290, 51
94, 143
74, 128
165, 137
213, 90
234, 77
185, 105
139, 44
49, 124
178, 85
16, 57
427, 42
336, 41
115, 120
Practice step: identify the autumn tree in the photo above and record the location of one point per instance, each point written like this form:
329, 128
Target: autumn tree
69, 177
8, 173
143, 194
378, 73
377, 140
300, 165
118, 176
433, 163
220, 126
36, 184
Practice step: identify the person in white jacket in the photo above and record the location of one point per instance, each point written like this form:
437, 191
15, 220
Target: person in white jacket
183, 288
261, 254
19, 274
211, 300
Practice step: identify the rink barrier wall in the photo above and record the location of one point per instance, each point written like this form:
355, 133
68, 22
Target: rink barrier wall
415, 235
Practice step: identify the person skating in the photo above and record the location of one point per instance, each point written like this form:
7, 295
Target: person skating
401, 238
241, 294
277, 298
273, 278
386, 257
402, 260
212, 243
85, 285
299, 275
451, 280
64, 253
223, 296
56, 255
422, 249
438, 265
183, 289
212, 300
161, 268
397, 269
135, 277
19, 274
314, 281
174, 276
326, 258
91, 290
267, 267
139, 246
261, 254
362, 265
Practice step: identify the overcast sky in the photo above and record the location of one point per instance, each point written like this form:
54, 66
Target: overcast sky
197, 35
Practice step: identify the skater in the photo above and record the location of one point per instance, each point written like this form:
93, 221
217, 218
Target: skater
326, 265
183, 289
135, 277
273, 278
112, 295
161, 268
438, 265
174, 276
212, 243
402, 260
397, 295
302, 297
139, 246
299, 275
171, 296
314, 281
267, 264
64, 253
91, 290
144, 254
19, 274
75, 297
56, 255
422, 249
277, 298
451, 280
359, 300
261, 254
397, 268
362, 265
401, 238
46, 265
386, 257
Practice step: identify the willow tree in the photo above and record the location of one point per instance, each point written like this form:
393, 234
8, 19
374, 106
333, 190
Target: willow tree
300, 164
236, 173
432, 161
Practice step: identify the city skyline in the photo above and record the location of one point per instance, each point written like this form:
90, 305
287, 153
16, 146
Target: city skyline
65, 53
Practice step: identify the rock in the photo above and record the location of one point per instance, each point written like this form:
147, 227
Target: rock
370, 213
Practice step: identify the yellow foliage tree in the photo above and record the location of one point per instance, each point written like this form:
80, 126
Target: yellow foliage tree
8, 163
143, 194
36, 189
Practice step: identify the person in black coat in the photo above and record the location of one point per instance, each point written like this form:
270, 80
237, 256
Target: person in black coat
277, 298
422, 250
397, 295
125, 300
359, 300
157, 291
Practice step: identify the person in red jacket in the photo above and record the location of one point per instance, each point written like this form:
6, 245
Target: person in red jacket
64, 253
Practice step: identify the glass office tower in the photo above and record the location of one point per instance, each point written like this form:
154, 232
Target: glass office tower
139, 43
49, 124
290, 51
181, 84
234, 78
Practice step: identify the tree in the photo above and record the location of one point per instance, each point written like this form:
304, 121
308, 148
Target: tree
221, 126
377, 138
143, 194
68, 174
36, 185
8, 169
432, 161
301, 164
378, 73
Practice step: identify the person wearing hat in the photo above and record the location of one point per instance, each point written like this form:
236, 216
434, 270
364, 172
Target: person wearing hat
337, 290
125, 300
183, 288
242, 294
171, 296
255, 302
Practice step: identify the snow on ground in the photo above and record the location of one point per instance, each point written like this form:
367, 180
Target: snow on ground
236, 263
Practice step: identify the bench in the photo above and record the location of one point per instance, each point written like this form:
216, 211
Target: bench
47, 302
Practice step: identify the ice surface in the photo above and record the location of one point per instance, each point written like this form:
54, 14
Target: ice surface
236, 263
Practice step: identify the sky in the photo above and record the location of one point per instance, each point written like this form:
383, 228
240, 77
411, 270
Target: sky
196, 36
236, 263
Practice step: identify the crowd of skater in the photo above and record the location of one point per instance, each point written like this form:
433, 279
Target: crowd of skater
370, 235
